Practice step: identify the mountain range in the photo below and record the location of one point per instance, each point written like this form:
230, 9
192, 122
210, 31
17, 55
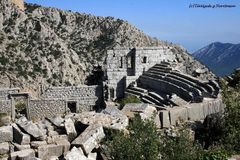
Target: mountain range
221, 58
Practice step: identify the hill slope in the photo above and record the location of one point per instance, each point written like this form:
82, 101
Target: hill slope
53, 47
221, 58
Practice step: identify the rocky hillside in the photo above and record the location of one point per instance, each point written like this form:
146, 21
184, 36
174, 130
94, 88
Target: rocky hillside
221, 58
54, 47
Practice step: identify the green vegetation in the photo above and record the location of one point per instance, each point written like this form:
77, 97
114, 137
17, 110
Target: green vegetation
142, 142
231, 95
129, 99
20, 106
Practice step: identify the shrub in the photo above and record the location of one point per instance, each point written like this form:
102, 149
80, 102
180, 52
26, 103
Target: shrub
214, 154
180, 146
129, 99
20, 106
231, 138
142, 142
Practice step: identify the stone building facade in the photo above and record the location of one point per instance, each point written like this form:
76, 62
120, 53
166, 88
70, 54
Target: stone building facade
54, 101
124, 66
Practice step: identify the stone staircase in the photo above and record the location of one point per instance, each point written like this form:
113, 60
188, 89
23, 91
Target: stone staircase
161, 77
157, 84
148, 96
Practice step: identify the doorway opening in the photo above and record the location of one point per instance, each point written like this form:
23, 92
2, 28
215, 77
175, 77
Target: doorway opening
72, 106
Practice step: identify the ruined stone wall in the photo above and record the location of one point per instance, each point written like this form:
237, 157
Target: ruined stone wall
19, 4
84, 95
118, 73
6, 107
4, 92
191, 112
46, 108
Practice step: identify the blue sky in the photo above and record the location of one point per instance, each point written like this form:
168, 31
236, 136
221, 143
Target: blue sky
170, 20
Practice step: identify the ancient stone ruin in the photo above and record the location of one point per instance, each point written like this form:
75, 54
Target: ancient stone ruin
156, 76
69, 122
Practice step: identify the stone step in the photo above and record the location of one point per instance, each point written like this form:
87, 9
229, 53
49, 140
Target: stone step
159, 70
159, 98
215, 85
193, 84
139, 89
161, 67
147, 101
188, 82
148, 97
197, 93
159, 73
167, 63
209, 88
129, 90
132, 94
167, 87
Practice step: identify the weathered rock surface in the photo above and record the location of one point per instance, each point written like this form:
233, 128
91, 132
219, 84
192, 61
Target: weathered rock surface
19, 136
4, 148
89, 139
31, 128
70, 129
6, 134
65, 145
36, 144
49, 42
47, 151
19, 147
75, 154
144, 110
23, 155
118, 122
57, 121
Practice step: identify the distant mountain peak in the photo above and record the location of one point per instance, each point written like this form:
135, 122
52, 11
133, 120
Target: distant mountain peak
221, 58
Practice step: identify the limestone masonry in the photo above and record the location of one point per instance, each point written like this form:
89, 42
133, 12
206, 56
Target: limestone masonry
76, 117
153, 74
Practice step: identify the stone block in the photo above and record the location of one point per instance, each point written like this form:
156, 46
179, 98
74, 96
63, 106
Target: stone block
164, 118
75, 154
6, 134
23, 155
118, 122
65, 144
19, 147
70, 129
4, 148
47, 151
57, 121
195, 112
89, 139
36, 144
178, 114
19, 136
30, 128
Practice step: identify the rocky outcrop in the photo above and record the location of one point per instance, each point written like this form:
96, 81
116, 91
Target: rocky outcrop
48, 46
19, 4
